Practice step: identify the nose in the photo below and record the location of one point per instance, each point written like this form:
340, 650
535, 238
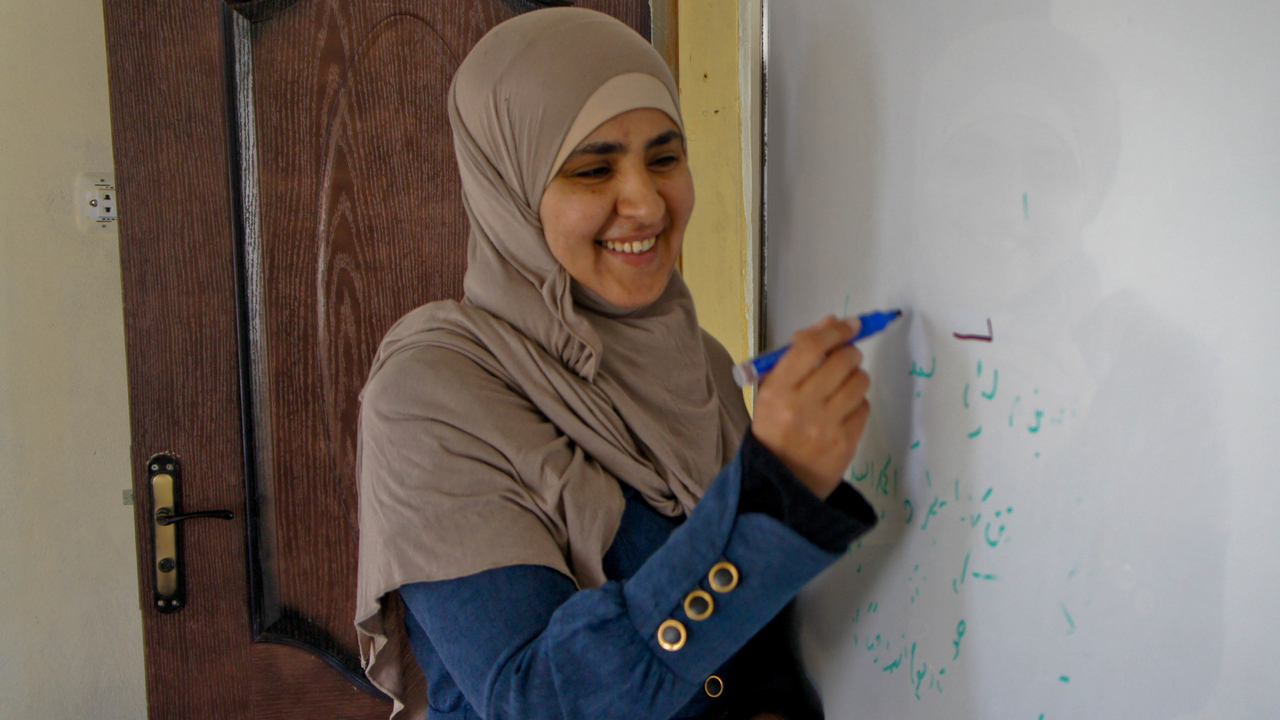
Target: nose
638, 197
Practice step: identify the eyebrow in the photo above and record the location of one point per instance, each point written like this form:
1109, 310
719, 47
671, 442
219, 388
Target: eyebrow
608, 147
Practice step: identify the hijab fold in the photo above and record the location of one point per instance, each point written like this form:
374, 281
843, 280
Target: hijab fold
495, 431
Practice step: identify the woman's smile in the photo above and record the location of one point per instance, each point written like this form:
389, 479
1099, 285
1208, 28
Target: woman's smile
633, 248
639, 250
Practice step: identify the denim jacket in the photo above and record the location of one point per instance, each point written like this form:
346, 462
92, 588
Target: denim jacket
693, 623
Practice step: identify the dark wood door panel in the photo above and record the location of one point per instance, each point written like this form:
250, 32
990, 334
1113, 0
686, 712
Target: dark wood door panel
292, 193
361, 219
291, 684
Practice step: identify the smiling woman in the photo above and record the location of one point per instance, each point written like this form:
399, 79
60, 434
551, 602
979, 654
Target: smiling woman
565, 510
614, 215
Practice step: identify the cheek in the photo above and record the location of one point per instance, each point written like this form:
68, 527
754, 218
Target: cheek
679, 199
571, 221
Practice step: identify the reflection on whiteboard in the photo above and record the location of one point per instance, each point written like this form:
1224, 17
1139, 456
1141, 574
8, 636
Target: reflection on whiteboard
1046, 448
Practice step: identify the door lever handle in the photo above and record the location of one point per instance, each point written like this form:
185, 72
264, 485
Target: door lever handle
165, 516
164, 475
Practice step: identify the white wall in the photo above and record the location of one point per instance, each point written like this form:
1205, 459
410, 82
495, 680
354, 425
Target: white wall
70, 628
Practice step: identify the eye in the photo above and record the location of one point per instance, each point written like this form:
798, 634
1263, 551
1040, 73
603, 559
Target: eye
597, 172
666, 160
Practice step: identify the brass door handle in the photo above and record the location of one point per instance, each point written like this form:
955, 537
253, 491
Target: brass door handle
164, 516
165, 478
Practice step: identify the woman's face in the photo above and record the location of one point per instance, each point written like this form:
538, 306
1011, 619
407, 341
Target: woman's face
614, 214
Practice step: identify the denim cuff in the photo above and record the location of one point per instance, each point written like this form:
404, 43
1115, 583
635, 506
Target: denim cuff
769, 487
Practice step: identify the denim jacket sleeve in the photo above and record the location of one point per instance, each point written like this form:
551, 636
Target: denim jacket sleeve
520, 642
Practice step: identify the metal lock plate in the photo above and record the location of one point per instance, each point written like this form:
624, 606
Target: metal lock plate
165, 475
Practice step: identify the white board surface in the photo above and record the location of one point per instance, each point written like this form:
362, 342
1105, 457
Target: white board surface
1080, 500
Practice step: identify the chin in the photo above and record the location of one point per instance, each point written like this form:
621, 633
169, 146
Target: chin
632, 301
636, 298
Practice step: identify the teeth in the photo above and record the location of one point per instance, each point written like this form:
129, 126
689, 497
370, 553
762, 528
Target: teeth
634, 248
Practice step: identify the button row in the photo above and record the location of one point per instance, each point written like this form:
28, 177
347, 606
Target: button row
699, 605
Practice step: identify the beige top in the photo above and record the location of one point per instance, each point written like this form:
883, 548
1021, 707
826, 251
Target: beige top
494, 432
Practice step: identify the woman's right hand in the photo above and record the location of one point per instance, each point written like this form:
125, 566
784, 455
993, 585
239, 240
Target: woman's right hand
812, 407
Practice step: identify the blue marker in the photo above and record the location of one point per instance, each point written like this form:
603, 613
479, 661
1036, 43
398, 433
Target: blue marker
751, 371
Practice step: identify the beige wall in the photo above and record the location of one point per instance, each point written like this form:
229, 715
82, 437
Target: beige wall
70, 628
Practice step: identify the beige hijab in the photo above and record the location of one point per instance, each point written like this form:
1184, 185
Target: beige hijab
494, 432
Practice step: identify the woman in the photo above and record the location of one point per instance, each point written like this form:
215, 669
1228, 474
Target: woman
563, 514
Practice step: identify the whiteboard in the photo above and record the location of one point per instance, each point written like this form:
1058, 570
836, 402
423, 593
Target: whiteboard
1075, 439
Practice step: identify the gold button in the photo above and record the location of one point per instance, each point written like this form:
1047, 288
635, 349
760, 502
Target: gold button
698, 605
723, 576
671, 635
714, 686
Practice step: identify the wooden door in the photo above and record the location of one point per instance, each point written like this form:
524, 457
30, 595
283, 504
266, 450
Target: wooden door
291, 191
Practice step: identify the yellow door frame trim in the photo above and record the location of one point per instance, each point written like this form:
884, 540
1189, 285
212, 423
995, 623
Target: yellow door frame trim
718, 49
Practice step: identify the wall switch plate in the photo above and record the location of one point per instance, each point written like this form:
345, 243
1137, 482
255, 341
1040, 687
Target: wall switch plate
96, 208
